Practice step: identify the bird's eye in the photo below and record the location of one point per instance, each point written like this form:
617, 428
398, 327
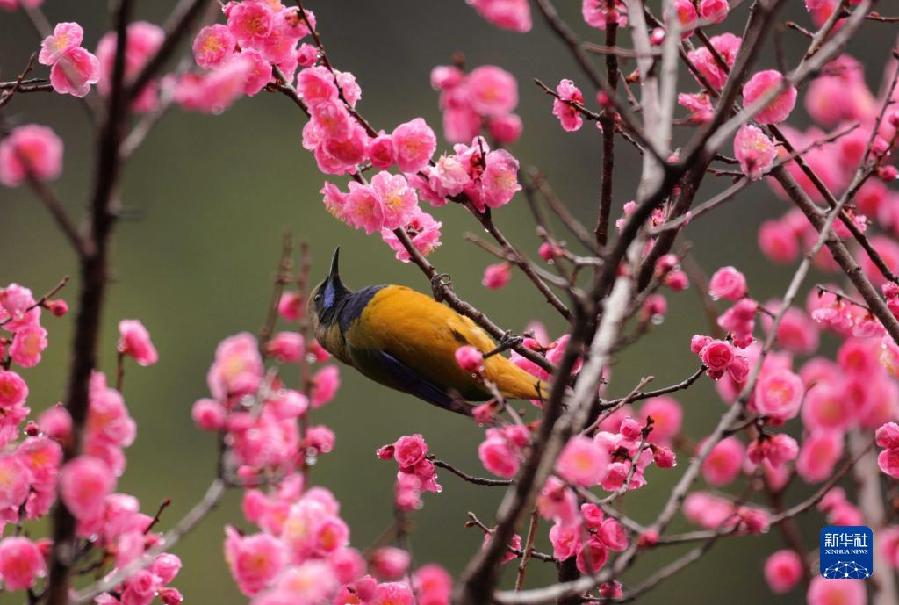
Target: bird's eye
318, 297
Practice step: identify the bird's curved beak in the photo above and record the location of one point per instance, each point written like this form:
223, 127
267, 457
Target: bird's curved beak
334, 273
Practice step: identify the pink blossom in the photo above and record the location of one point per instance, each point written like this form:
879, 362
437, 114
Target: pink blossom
255, 561
779, 394
433, 585
363, 208
496, 276
237, 369
591, 557
286, 347
393, 593
492, 90
380, 151
30, 150
84, 484
783, 570
470, 359
727, 283
409, 450
505, 129
698, 104
819, 453
424, 232
21, 563
499, 456
754, 150
74, 72
325, 385
888, 461
569, 116
56, 423
398, 199
15, 480
134, 341
717, 355
290, 306
600, 13
307, 55
727, 45
778, 242
714, 10
208, 414
613, 535
259, 71
13, 390
583, 462
887, 436
687, 15
64, 37
666, 417
251, 22
499, 181
320, 439
822, 591
213, 45
724, 462
316, 84
413, 145
215, 91
514, 15
760, 85
27, 345
827, 408
390, 563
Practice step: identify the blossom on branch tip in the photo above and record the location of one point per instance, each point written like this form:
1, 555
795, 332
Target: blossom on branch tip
134, 341
30, 150
570, 117
513, 15
778, 109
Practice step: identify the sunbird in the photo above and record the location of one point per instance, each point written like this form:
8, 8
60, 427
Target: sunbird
407, 341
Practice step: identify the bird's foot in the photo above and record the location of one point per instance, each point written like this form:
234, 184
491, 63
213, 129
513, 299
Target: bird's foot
508, 341
441, 283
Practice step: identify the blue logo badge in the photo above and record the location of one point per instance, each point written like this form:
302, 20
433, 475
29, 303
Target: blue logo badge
847, 552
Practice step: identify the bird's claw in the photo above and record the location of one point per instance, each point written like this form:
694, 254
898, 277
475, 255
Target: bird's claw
506, 342
440, 284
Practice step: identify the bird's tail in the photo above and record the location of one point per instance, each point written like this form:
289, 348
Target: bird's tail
515, 383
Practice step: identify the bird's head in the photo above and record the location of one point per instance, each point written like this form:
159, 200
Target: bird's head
328, 295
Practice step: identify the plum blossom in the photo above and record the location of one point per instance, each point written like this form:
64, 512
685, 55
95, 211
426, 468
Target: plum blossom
30, 150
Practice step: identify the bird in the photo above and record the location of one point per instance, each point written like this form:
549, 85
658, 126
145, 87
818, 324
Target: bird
407, 341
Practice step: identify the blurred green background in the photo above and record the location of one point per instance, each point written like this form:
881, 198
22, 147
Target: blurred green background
207, 199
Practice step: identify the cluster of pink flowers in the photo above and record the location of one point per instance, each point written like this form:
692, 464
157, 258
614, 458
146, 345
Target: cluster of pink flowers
72, 68
839, 99
241, 56
302, 554
299, 551
32, 472
417, 474
486, 97
258, 414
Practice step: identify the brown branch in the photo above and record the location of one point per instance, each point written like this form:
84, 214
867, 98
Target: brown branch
94, 275
482, 481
